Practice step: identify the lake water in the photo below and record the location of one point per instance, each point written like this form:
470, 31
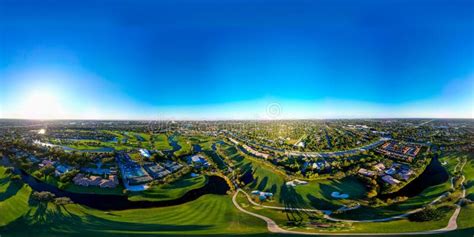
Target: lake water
434, 174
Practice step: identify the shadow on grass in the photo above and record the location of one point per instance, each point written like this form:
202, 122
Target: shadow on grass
261, 186
291, 200
11, 190
59, 221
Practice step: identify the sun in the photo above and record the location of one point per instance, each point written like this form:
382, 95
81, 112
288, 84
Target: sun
41, 104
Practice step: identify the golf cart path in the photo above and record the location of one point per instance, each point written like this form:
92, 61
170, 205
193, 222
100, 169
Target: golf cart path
273, 227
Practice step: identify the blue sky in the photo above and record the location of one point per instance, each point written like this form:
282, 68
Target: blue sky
232, 59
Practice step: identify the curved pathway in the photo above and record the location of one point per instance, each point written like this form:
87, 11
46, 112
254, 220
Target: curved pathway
274, 228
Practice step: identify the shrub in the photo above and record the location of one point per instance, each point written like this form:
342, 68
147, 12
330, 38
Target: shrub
16, 178
61, 201
43, 196
428, 214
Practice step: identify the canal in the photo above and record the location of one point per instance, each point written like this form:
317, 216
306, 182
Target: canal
214, 185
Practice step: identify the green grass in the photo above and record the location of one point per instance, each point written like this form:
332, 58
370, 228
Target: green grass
265, 178
466, 217
425, 197
318, 193
397, 226
204, 141
186, 147
161, 142
13, 199
210, 214
403, 225
170, 191
315, 194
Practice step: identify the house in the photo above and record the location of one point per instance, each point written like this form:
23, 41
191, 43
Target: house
33, 159
389, 179
62, 169
198, 160
255, 153
46, 163
82, 180
366, 172
111, 182
391, 171
379, 167
406, 174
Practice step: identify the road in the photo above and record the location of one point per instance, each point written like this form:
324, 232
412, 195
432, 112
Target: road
316, 154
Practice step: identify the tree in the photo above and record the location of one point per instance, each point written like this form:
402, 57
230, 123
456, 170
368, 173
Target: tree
372, 193
16, 178
61, 201
427, 214
43, 196
9, 170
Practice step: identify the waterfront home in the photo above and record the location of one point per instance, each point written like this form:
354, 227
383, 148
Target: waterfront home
389, 179
405, 173
62, 169
82, 180
391, 171
46, 163
366, 172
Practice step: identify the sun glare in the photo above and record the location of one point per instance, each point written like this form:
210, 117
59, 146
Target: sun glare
41, 104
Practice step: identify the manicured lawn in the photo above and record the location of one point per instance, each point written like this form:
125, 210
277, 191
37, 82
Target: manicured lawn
403, 225
264, 177
13, 199
210, 214
318, 193
170, 191
204, 141
315, 194
425, 197
185, 144
282, 218
466, 217
161, 142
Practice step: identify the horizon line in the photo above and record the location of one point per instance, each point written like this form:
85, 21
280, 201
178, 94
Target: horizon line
283, 119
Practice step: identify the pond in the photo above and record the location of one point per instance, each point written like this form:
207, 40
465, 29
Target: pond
214, 185
197, 148
174, 143
434, 174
